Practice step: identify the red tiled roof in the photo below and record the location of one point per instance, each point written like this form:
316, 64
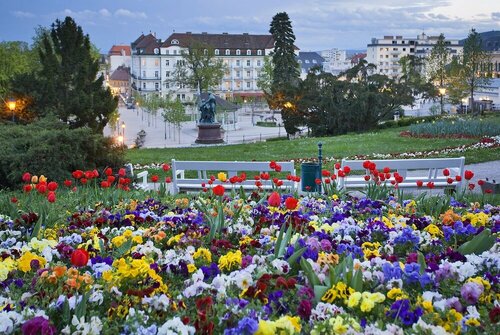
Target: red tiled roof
117, 50
223, 41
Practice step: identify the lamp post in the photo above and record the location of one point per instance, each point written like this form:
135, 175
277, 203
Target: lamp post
123, 131
12, 107
442, 92
464, 105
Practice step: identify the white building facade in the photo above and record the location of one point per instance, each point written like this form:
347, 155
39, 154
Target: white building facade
154, 62
386, 52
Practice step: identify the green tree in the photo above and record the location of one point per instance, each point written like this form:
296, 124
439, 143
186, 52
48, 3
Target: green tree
360, 71
199, 68
67, 83
473, 58
457, 86
265, 80
437, 63
285, 78
174, 112
412, 68
15, 58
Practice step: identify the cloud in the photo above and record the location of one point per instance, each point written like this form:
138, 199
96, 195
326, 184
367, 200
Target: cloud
104, 12
495, 15
24, 15
129, 14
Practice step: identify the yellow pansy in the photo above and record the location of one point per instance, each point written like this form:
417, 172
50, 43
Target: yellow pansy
266, 328
434, 230
203, 253
230, 260
24, 263
6, 266
354, 299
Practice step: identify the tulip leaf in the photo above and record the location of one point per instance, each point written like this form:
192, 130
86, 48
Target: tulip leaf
123, 249
308, 270
357, 281
278, 241
319, 292
292, 260
421, 261
480, 243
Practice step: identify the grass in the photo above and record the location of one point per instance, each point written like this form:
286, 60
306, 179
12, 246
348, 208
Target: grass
382, 141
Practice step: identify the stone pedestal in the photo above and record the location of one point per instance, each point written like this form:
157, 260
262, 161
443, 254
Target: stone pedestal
209, 133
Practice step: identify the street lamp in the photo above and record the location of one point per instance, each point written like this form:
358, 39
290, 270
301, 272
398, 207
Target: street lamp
464, 105
442, 92
12, 107
123, 129
120, 139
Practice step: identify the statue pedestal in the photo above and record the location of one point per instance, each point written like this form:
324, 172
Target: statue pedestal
209, 133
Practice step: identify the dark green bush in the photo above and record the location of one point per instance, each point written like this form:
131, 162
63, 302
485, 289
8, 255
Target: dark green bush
406, 121
266, 123
50, 148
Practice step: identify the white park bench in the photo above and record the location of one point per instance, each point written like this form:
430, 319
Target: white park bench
412, 170
183, 172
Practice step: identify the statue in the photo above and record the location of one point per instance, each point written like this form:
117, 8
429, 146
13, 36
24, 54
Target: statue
207, 109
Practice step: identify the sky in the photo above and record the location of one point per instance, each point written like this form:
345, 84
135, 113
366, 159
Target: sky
317, 24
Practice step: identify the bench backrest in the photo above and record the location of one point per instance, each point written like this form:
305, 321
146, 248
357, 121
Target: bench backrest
204, 169
429, 169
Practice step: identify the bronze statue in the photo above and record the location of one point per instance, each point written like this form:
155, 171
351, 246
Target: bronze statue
207, 109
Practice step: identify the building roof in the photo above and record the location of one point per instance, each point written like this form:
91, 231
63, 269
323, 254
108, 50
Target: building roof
119, 50
222, 105
222, 41
146, 44
309, 59
121, 73
357, 57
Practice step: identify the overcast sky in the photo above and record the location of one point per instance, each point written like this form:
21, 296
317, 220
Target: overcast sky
317, 24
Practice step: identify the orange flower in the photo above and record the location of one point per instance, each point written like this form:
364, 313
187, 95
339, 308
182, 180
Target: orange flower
449, 217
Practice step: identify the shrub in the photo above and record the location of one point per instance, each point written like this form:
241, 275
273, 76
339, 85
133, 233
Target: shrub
458, 127
49, 147
406, 121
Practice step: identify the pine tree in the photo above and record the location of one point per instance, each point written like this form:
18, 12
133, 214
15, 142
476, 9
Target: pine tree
285, 79
67, 83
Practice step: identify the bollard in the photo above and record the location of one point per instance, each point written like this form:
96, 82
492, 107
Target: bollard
320, 162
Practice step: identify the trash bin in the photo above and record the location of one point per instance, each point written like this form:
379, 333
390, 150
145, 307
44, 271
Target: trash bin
308, 175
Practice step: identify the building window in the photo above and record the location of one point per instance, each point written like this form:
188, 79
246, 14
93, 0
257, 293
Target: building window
259, 52
156, 74
144, 74
167, 74
307, 61
216, 52
167, 85
258, 63
174, 41
248, 84
157, 86
183, 97
237, 62
167, 62
157, 62
238, 74
249, 52
248, 74
175, 52
144, 85
248, 63
314, 61
238, 52
167, 52
228, 52
178, 97
144, 62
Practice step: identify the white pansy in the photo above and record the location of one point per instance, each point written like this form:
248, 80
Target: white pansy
175, 327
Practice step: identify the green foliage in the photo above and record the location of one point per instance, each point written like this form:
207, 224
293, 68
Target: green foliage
265, 80
437, 64
15, 58
51, 148
199, 68
474, 128
480, 243
406, 121
66, 84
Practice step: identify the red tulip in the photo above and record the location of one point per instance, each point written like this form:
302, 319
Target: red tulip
274, 199
420, 183
154, 178
272, 165
480, 182
337, 166
108, 171
347, 169
27, 188
165, 167
277, 168
446, 172
68, 183
366, 164
341, 173
472, 186
327, 181
449, 180
399, 179
13, 200
77, 174
458, 178
52, 186
122, 172
468, 174
83, 181
372, 166
325, 173
111, 179
265, 176
367, 178
41, 188
387, 170
488, 191
51, 197
430, 185
291, 203
168, 180
219, 190
317, 181
26, 177
104, 184
79, 257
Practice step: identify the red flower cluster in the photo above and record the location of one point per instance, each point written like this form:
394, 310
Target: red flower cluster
41, 185
109, 178
380, 177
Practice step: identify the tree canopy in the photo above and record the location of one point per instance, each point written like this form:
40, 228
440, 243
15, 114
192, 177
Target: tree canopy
66, 84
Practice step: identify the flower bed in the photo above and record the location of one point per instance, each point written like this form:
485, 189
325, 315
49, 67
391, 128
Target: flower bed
254, 264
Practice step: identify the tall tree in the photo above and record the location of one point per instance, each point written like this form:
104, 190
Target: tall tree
67, 83
265, 80
15, 58
199, 68
174, 112
285, 79
437, 62
473, 58
360, 71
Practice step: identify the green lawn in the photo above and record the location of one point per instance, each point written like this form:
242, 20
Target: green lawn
383, 141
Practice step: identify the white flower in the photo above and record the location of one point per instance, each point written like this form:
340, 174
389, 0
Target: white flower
93, 327
243, 280
8, 321
175, 326
97, 297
